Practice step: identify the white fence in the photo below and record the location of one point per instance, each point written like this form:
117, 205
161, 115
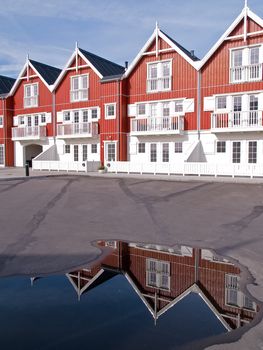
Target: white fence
58, 165
199, 169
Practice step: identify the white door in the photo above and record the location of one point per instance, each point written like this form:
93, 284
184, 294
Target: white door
110, 152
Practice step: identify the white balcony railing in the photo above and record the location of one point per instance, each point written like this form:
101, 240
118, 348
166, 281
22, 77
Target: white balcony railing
237, 121
28, 133
31, 101
241, 74
159, 84
79, 95
77, 130
157, 125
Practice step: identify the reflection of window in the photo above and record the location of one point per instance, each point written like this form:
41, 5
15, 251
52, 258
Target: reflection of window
141, 147
158, 274
111, 244
235, 297
178, 147
221, 147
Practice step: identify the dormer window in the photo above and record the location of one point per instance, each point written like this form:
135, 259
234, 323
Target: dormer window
246, 64
79, 88
31, 95
159, 76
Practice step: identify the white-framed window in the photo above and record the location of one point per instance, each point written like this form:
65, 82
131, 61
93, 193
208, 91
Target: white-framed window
141, 147
178, 147
31, 95
43, 119
158, 274
159, 76
84, 152
1, 121
165, 152
252, 152
221, 102
94, 148
166, 109
221, 146
178, 106
2, 154
85, 116
153, 152
79, 87
110, 111
236, 152
141, 109
67, 149
76, 153
66, 116
94, 113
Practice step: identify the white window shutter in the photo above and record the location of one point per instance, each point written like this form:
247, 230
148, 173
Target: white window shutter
60, 148
15, 121
60, 117
229, 103
260, 101
48, 118
98, 112
132, 110
189, 105
147, 110
209, 103
133, 148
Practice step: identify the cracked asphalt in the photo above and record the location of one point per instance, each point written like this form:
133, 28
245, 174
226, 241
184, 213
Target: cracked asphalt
48, 224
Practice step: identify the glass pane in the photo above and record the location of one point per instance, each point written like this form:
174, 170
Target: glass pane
254, 55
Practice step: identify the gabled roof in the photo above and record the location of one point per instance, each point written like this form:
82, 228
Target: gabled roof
245, 12
49, 73
105, 69
187, 55
6, 84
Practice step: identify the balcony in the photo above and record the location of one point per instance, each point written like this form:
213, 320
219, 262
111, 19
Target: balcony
157, 126
249, 73
28, 133
236, 121
77, 130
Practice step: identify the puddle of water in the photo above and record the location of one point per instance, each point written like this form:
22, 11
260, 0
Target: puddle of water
137, 296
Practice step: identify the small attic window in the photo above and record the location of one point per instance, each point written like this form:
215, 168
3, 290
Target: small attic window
31, 95
79, 88
159, 76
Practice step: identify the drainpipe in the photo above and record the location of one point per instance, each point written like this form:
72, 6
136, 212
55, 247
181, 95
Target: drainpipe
118, 120
199, 79
4, 129
54, 119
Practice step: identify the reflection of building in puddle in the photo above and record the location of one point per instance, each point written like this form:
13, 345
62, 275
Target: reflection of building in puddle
162, 276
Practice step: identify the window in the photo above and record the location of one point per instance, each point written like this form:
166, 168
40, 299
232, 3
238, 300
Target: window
43, 118
31, 95
166, 109
79, 88
141, 147
221, 147
36, 120
159, 76
66, 116
85, 116
178, 147
2, 154
178, 106
221, 102
252, 151
110, 111
84, 152
76, 153
237, 58
237, 108
165, 152
29, 120
76, 117
236, 155
67, 148
94, 113
94, 148
254, 55
158, 274
141, 109
153, 154
110, 152
1, 121
154, 109
21, 120
253, 110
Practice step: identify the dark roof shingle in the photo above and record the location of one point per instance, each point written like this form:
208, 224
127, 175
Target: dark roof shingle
6, 84
105, 67
48, 73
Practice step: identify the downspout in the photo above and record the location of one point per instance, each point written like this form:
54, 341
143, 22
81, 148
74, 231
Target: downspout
118, 120
54, 116
199, 79
5, 131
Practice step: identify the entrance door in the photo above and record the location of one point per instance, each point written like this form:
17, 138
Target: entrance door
110, 152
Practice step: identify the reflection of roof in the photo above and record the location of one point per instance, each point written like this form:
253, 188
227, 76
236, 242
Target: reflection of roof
6, 84
48, 73
105, 67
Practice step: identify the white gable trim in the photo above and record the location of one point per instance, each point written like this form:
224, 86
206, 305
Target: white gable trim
71, 59
244, 12
158, 33
19, 79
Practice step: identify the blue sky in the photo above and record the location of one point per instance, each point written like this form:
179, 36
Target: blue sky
114, 29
